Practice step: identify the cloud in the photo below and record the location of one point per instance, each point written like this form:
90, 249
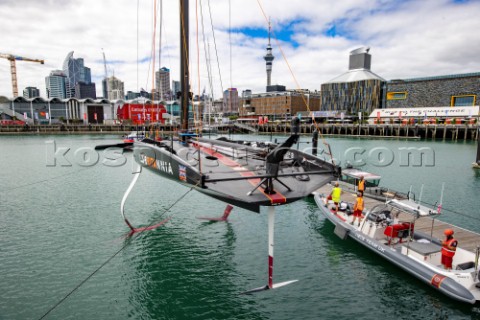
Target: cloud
414, 38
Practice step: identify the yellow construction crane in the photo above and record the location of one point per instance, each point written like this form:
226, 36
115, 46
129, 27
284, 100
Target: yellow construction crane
13, 68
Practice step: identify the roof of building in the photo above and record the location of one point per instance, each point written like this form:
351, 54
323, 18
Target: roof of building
444, 77
356, 75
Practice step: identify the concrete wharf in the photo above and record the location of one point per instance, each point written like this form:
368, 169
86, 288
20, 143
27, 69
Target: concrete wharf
451, 132
467, 239
422, 131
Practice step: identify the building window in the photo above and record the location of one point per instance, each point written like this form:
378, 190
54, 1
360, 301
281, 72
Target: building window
397, 95
466, 100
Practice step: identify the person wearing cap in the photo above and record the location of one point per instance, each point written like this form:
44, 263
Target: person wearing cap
361, 185
335, 195
449, 247
358, 209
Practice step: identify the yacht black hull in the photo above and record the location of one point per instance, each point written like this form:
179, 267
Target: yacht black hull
234, 173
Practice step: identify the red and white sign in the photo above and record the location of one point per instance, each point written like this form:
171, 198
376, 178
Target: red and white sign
138, 113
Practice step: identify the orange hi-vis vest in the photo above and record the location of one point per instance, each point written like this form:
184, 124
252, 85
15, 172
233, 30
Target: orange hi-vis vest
446, 251
359, 204
361, 185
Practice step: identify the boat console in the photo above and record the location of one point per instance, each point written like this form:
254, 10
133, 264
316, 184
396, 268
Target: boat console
379, 216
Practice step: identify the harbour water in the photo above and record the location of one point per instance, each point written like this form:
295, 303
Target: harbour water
65, 253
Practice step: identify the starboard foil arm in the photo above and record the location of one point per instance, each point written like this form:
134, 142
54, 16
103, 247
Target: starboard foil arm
136, 173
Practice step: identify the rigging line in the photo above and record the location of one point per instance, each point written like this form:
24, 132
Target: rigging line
160, 46
108, 260
207, 56
293, 76
230, 38
166, 48
210, 78
148, 73
198, 68
215, 44
138, 5
42, 181
153, 47
208, 64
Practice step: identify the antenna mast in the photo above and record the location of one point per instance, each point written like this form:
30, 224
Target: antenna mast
269, 57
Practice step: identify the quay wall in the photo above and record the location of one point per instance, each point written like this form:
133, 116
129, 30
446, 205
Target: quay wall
423, 131
451, 132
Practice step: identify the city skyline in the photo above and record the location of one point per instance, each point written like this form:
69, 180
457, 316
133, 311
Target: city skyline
408, 39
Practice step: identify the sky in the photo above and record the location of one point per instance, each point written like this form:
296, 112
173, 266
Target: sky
311, 40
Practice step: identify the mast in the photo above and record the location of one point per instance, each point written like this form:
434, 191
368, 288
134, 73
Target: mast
184, 72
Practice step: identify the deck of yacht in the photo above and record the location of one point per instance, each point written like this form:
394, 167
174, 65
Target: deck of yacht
467, 240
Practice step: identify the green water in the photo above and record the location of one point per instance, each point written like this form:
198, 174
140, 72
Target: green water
59, 224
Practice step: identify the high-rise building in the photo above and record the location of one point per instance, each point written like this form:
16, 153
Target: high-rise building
31, 92
162, 83
175, 87
268, 59
115, 88
75, 71
230, 101
56, 85
85, 90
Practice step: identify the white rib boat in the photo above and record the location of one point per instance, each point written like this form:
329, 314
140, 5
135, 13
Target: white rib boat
389, 230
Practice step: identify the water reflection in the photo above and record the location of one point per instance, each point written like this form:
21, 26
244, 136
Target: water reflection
180, 273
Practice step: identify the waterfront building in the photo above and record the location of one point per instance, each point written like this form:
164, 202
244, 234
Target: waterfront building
31, 92
131, 95
280, 104
449, 90
357, 90
75, 71
56, 85
142, 111
429, 115
162, 84
115, 88
54, 110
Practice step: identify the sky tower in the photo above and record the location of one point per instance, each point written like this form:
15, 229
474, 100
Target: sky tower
269, 58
